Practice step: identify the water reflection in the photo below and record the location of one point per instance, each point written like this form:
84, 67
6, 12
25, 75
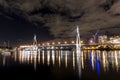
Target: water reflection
66, 63
43, 57
79, 64
28, 57
104, 59
53, 57
91, 60
82, 60
59, 59
73, 60
48, 57
97, 59
98, 65
39, 58
4, 60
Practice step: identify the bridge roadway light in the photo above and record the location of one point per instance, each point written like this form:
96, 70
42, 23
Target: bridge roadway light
38, 44
73, 42
81, 42
48, 44
65, 42
58, 42
43, 44
53, 43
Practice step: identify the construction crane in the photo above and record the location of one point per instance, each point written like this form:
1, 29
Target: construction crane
95, 36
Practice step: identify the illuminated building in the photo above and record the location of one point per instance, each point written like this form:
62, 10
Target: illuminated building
102, 39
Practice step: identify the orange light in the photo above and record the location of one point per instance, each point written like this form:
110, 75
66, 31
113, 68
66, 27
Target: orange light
38, 44
65, 42
43, 44
73, 42
58, 42
48, 44
81, 41
53, 43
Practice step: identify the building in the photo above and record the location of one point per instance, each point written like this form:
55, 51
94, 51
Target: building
114, 40
102, 39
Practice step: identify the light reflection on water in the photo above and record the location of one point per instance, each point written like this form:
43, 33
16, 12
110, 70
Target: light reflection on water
90, 60
97, 58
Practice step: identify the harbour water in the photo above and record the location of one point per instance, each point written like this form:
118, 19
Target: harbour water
62, 65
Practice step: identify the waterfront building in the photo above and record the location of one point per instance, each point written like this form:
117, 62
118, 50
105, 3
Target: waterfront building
102, 39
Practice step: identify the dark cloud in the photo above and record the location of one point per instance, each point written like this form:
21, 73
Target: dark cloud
62, 16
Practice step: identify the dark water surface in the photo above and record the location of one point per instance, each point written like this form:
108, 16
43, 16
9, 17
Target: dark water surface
61, 65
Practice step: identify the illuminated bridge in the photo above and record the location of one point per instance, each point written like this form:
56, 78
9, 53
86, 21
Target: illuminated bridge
52, 45
59, 46
62, 44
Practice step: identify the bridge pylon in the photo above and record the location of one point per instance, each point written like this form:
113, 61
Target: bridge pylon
78, 44
35, 40
35, 46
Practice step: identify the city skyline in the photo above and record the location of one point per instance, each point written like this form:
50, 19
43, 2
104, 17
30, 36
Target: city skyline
49, 20
60, 39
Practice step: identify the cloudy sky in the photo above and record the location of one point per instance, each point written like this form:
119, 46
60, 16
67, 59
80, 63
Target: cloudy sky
49, 19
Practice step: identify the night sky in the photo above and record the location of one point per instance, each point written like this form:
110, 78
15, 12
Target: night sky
19, 31
51, 19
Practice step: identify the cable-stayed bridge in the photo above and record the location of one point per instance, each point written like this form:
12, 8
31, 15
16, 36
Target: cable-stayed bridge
74, 44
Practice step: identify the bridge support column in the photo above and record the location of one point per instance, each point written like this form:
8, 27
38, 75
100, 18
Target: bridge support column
78, 44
